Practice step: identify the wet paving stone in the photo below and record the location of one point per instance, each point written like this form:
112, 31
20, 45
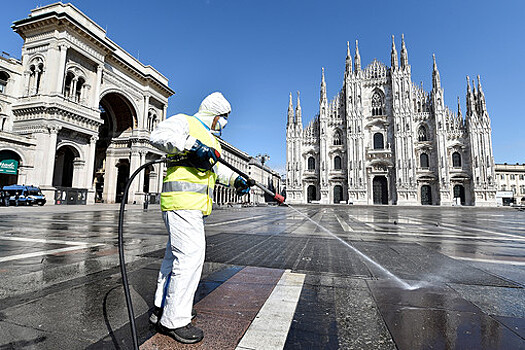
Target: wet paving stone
462, 301
416, 328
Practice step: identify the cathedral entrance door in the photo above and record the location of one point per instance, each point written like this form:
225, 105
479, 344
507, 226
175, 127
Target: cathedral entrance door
338, 194
380, 188
311, 194
426, 195
459, 192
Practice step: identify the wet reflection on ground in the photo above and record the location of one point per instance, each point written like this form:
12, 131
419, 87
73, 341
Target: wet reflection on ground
465, 266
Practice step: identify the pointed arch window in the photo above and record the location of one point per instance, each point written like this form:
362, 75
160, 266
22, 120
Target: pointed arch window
379, 142
337, 163
311, 163
422, 134
423, 160
377, 104
456, 160
338, 138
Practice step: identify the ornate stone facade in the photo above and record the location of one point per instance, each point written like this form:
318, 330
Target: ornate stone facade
385, 140
77, 110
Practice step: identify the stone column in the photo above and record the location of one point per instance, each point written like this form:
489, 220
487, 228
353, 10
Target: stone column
49, 154
90, 168
61, 69
164, 112
160, 177
97, 85
72, 89
110, 178
153, 181
78, 173
143, 120
134, 165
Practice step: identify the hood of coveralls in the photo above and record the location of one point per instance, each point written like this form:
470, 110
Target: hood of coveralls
213, 105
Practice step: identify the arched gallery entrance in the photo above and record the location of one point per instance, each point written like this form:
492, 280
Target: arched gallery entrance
112, 172
380, 190
64, 166
9, 163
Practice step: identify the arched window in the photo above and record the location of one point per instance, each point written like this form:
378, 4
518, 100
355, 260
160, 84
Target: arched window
377, 104
378, 141
337, 163
423, 160
35, 73
152, 121
4, 77
422, 133
78, 88
68, 84
338, 139
456, 160
311, 163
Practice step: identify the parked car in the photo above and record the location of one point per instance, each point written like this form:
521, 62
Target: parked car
24, 195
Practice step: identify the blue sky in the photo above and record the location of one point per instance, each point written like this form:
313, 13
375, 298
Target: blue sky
256, 52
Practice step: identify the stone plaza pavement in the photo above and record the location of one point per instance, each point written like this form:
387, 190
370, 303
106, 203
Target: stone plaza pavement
310, 277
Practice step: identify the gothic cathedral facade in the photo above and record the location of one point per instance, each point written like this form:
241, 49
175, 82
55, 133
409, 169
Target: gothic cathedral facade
385, 140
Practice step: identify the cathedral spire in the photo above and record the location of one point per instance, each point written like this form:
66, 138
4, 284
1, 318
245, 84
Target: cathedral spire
323, 99
436, 81
298, 110
470, 99
348, 69
291, 115
404, 53
481, 99
459, 109
357, 58
481, 95
393, 55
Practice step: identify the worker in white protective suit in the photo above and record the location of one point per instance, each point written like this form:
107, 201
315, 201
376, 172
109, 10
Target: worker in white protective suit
185, 200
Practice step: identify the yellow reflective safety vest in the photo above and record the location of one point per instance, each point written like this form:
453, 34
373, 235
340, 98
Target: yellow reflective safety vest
186, 188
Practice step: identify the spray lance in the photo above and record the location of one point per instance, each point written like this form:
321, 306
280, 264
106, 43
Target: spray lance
172, 159
251, 182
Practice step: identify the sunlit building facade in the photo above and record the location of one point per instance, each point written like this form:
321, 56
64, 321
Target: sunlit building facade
385, 140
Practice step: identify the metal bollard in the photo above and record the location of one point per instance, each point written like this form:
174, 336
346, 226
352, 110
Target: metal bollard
146, 201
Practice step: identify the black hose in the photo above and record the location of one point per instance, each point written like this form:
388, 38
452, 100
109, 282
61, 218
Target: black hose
121, 252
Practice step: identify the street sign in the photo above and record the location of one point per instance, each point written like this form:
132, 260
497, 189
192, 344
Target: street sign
8, 166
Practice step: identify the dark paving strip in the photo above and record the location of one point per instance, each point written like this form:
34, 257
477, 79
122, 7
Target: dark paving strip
314, 324
121, 338
227, 312
310, 254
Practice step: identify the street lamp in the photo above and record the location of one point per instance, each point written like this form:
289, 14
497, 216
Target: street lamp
263, 158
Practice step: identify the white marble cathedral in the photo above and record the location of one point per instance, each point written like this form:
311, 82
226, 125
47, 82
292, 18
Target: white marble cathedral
384, 140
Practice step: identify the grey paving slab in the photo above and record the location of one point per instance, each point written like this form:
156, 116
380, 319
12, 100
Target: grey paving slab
495, 300
418, 328
359, 322
314, 325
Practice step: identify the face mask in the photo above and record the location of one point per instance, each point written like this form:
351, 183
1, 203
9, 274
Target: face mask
221, 123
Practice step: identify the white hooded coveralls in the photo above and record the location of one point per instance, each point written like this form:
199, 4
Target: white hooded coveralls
181, 267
